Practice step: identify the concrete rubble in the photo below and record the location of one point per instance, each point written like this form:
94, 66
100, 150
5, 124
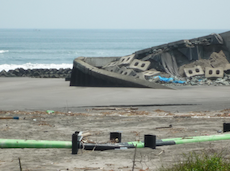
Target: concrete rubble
214, 71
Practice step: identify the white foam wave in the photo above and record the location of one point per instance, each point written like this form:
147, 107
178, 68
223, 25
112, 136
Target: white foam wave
8, 67
4, 51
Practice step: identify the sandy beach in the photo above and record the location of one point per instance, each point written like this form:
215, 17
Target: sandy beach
55, 94
101, 111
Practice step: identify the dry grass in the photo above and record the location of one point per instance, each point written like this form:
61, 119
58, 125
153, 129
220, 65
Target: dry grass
206, 160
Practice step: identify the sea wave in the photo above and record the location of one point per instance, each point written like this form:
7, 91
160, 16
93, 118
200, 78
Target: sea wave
4, 51
8, 67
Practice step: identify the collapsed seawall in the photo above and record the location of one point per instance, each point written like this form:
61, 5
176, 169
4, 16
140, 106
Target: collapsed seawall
207, 57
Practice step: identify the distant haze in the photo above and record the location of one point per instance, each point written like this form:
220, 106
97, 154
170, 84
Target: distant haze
115, 14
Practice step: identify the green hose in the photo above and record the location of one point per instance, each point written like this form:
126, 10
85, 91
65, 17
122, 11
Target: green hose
15, 143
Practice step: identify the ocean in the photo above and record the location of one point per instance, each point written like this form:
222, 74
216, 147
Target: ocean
57, 48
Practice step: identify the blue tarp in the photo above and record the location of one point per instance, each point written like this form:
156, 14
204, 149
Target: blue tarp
168, 80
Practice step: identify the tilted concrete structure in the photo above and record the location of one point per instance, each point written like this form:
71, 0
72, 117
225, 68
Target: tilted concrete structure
103, 71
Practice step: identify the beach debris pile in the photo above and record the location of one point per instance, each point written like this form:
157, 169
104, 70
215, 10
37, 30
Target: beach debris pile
37, 73
213, 71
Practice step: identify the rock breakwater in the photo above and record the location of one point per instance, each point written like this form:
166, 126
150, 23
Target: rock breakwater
37, 73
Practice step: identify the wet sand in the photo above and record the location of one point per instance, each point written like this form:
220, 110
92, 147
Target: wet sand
77, 109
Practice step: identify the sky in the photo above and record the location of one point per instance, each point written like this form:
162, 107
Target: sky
115, 14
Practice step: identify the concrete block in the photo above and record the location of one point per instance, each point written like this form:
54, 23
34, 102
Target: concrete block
125, 71
126, 60
140, 76
112, 64
113, 69
190, 72
214, 72
150, 73
139, 65
147, 74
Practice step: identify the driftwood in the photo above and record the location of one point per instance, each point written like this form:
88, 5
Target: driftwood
10, 117
114, 108
170, 126
182, 116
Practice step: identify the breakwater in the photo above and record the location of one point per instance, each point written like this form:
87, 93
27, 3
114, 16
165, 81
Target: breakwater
37, 73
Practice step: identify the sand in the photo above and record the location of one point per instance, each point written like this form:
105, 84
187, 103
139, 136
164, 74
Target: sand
83, 109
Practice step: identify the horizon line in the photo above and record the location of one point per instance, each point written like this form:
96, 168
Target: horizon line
113, 29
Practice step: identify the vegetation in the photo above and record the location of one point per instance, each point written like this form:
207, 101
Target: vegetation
204, 161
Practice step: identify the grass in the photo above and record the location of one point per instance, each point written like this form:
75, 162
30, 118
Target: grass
204, 161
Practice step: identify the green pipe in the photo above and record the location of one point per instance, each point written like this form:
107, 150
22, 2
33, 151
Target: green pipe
188, 139
15, 143
202, 139
137, 144
199, 137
